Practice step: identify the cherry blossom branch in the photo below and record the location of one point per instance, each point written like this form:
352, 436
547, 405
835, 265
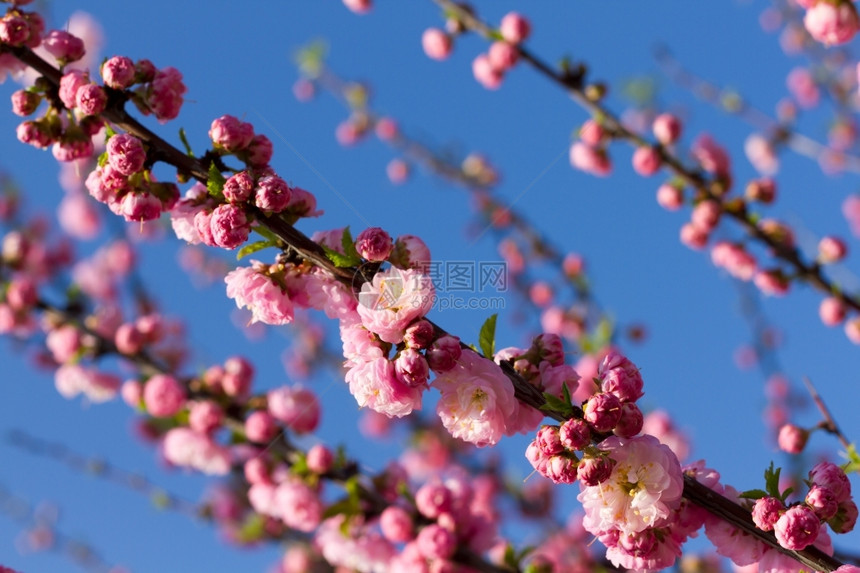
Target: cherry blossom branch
525, 392
102, 469
46, 536
479, 185
734, 103
572, 81
828, 424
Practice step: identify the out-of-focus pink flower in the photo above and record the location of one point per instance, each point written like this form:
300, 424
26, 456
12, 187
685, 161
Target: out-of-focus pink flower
263, 297
436, 43
832, 23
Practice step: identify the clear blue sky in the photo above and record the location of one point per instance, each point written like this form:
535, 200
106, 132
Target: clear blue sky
236, 59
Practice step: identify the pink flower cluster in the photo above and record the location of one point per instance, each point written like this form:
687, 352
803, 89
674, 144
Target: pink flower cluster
490, 68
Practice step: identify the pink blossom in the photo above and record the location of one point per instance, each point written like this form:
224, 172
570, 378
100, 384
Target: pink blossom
374, 385
64, 342
126, 153
262, 296
802, 86
797, 528
822, 501
711, 156
766, 512
763, 190
73, 379
374, 244
185, 447
230, 134
259, 151
238, 187
410, 252
298, 505
436, 542
831, 476
643, 488
205, 416
163, 395
590, 159
354, 548
164, 96
670, 197
436, 43
298, 408
70, 83
515, 28
832, 311
792, 439
411, 368
602, 411
487, 75
476, 400
735, 259
503, 56
646, 161
78, 216
260, 427
394, 298
852, 330
91, 99
666, 128
772, 282
229, 225
396, 524
25, 103
64, 46
358, 6
272, 194
831, 250
118, 72
832, 23
761, 154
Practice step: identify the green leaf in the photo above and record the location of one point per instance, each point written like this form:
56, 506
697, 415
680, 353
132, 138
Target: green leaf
339, 259
342, 507
853, 457
556, 404
487, 337
753, 494
185, 143
109, 131
349, 245
252, 248
216, 181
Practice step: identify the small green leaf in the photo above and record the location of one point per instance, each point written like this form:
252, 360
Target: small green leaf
556, 404
487, 337
853, 457
349, 245
252, 248
109, 131
184, 140
216, 181
103, 159
339, 259
753, 494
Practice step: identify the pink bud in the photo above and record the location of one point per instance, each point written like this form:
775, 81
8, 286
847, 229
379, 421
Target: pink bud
436, 44
515, 28
230, 227
230, 134
320, 459
594, 471
118, 72
575, 434
410, 252
260, 427
646, 161
443, 354
433, 499
503, 56
419, 334
832, 311
822, 501
831, 250
666, 128
396, 524
487, 75
766, 512
297, 407
670, 197
238, 187
272, 194
797, 528
126, 154
411, 368
792, 439
25, 103
358, 6
763, 190
374, 244
64, 46
163, 395
603, 411
205, 416
140, 207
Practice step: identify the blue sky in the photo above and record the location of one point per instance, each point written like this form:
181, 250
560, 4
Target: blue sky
238, 61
